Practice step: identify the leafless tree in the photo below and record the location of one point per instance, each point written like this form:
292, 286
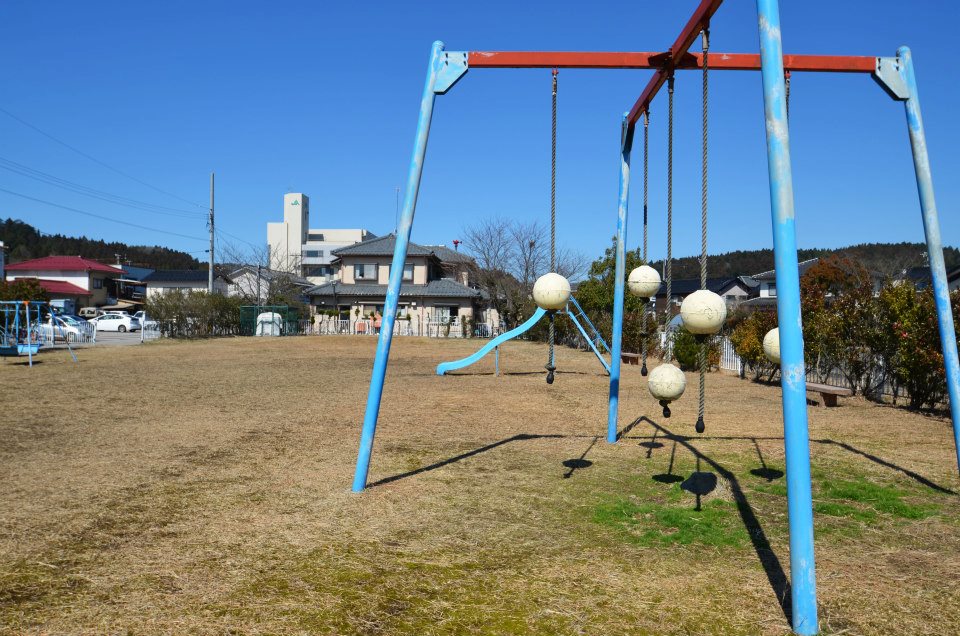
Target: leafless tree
257, 278
510, 256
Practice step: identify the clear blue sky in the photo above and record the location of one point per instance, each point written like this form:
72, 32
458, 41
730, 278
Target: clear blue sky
321, 97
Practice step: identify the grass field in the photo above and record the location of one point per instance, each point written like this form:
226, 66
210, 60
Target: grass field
203, 488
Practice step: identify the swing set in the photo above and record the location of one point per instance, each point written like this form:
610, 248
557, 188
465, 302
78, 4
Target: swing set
894, 74
21, 335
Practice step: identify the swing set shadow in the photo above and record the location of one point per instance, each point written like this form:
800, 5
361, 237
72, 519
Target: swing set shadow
700, 483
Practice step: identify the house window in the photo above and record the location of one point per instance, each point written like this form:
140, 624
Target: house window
365, 272
408, 273
313, 253
772, 289
318, 270
98, 283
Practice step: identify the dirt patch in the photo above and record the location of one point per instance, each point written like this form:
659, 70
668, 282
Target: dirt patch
203, 488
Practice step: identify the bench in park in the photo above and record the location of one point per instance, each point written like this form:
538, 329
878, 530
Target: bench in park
828, 394
630, 358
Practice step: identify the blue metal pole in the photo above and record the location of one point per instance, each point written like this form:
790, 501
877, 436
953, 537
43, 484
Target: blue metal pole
931, 228
589, 342
396, 272
616, 340
793, 379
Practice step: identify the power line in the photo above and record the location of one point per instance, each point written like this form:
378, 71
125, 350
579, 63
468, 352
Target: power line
97, 161
100, 216
233, 236
43, 177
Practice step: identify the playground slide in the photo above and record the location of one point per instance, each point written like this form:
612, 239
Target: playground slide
443, 367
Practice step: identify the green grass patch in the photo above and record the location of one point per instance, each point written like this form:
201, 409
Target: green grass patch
884, 499
674, 522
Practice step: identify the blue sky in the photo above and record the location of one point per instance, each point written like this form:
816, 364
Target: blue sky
321, 97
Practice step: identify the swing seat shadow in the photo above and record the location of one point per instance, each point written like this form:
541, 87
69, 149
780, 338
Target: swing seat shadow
700, 483
667, 478
767, 473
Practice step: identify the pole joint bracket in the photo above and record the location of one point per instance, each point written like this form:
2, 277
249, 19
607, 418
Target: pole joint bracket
889, 75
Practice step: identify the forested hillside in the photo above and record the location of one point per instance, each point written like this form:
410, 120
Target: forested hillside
885, 258
22, 242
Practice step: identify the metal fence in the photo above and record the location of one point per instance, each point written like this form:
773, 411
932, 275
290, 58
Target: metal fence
454, 328
730, 361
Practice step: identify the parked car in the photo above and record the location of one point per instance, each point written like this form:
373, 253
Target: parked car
115, 322
89, 312
145, 322
57, 328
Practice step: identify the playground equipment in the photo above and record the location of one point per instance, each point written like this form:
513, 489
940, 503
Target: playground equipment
771, 345
21, 334
894, 74
644, 281
571, 309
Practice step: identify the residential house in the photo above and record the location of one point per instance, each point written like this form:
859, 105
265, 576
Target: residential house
86, 282
256, 284
163, 281
733, 289
432, 289
297, 249
767, 293
921, 279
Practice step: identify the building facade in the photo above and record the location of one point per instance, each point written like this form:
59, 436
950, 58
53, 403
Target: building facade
297, 249
89, 282
432, 290
164, 281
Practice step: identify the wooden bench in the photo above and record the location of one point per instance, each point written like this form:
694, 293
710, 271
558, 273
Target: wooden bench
828, 394
630, 358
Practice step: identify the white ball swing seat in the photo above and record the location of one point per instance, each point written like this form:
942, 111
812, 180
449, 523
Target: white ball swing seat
551, 292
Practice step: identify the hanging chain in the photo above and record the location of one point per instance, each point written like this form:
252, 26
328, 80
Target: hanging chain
553, 222
646, 301
704, 346
668, 267
786, 81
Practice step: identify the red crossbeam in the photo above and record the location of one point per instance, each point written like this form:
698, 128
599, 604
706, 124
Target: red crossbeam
699, 19
650, 60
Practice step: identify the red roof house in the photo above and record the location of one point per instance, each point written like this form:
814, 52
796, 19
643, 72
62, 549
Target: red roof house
68, 276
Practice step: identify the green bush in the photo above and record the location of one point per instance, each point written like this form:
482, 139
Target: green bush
195, 314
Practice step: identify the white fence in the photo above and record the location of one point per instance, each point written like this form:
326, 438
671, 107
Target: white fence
365, 327
729, 360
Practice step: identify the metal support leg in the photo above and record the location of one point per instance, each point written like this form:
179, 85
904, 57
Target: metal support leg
931, 228
616, 341
793, 380
437, 63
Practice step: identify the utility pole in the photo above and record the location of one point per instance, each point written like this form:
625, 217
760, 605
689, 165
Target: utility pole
210, 273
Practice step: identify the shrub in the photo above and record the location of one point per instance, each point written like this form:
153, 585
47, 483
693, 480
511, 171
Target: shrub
747, 339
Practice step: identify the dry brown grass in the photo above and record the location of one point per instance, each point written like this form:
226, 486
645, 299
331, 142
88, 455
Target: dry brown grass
204, 488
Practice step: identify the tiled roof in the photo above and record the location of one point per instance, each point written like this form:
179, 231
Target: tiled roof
179, 276
269, 274
686, 286
448, 255
382, 246
61, 288
443, 287
63, 263
804, 266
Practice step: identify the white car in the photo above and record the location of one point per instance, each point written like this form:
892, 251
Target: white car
146, 324
115, 322
65, 328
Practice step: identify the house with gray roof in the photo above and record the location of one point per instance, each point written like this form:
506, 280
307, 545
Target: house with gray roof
435, 285
163, 281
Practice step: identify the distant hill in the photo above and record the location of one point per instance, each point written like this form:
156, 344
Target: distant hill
23, 242
885, 258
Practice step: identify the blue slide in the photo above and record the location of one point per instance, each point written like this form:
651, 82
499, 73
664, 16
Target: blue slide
443, 367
